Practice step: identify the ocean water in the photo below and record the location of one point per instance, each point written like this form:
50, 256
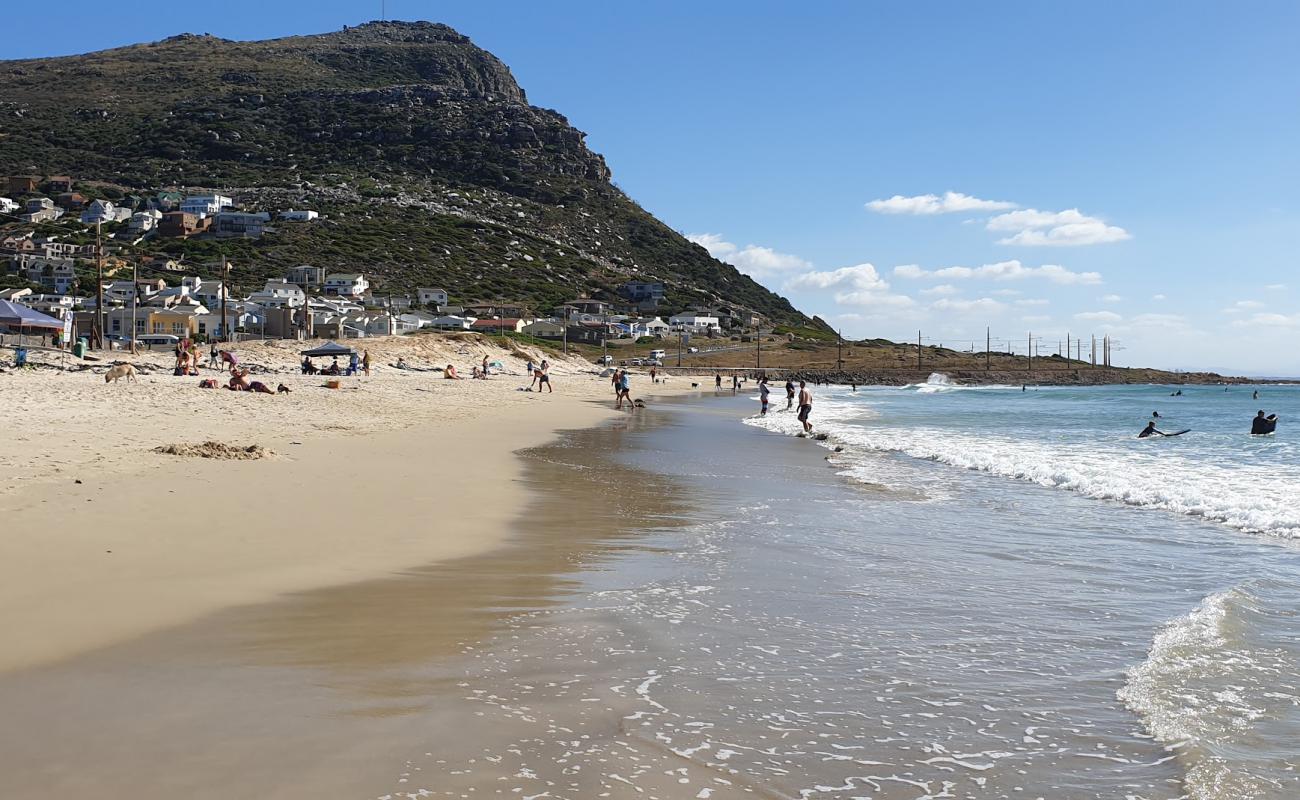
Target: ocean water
983, 593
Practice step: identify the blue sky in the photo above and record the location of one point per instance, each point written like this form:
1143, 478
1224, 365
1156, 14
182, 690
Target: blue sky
1144, 153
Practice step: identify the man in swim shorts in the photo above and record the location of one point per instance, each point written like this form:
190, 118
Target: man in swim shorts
805, 406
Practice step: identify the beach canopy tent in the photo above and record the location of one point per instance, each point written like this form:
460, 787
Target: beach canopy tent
329, 349
22, 317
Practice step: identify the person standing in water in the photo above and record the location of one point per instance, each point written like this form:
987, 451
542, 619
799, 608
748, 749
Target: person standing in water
805, 406
789, 394
717, 382
1262, 424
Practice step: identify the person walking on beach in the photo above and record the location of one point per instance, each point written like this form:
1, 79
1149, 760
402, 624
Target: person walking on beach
717, 382
624, 390
213, 358
544, 377
805, 406
789, 394
613, 381
653, 379
365, 362
735, 383
763, 392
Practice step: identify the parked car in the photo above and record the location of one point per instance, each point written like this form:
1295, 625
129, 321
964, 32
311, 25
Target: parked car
654, 362
637, 362
693, 350
160, 339
605, 360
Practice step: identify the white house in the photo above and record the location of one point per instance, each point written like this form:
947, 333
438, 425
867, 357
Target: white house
348, 284
649, 327
431, 297
206, 204
7, 205
209, 293
104, 211
298, 216
279, 293
451, 322
144, 221
545, 329
693, 322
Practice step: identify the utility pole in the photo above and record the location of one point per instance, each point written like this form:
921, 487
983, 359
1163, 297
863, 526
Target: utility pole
1030, 352
97, 330
1067, 349
839, 349
988, 349
679, 347
918, 350
225, 292
1093, 352
758, 353
135, 292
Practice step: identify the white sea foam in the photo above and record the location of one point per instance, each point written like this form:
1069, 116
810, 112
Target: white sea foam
1201, 691
1255, 499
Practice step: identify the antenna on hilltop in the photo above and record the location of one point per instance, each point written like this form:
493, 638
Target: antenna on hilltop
383, 10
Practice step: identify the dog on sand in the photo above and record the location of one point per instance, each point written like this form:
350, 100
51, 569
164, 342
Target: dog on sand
121, 371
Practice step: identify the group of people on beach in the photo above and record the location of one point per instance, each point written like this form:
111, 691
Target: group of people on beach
356, 363
804, 396
539, 375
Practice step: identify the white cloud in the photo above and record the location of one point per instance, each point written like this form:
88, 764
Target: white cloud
1269, 321
942, 290
1111, 298
1032, 302
1157, 297
929, 204
874, 299
1242, 306
1098, 316
754, 260
1276, 287
1006, 292
1069, 228
1003, 271
1159, 321
985, 305
858, 285
860, 277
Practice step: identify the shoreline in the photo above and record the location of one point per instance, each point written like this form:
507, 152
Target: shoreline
407, 470
334, 690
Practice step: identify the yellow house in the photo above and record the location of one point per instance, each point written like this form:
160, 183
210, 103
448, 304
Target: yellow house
179, 320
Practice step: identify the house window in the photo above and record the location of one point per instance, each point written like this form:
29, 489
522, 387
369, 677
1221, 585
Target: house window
117, 325
157, 327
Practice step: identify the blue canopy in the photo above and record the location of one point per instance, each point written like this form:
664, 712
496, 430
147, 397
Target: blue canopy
20, 316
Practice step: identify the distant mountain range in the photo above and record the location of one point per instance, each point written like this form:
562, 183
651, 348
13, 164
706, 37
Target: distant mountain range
418, 148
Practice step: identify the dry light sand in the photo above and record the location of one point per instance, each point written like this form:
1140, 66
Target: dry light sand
104, 538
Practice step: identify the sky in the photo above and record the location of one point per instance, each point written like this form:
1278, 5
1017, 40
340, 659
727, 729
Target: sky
1045, 169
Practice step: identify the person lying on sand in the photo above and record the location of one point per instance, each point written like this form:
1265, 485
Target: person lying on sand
260, 388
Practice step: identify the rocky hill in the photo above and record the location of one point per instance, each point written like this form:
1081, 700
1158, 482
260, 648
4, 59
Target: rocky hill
418, 147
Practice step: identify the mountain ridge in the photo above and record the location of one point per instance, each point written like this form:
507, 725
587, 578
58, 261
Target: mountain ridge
418, 146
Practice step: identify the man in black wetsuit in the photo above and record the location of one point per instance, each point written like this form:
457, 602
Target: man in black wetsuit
1262, 424
1150, 430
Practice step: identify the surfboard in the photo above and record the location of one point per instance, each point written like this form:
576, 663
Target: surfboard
1179, 433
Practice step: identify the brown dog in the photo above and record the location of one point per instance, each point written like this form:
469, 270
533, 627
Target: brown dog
121, 371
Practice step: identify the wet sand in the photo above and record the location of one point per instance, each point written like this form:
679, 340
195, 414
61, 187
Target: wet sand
328, 692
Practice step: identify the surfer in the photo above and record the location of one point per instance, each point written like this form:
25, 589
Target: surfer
1262, 424
1255, 396
1150, 430
1155, 415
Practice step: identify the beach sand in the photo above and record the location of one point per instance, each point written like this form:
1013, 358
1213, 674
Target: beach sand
106, 540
